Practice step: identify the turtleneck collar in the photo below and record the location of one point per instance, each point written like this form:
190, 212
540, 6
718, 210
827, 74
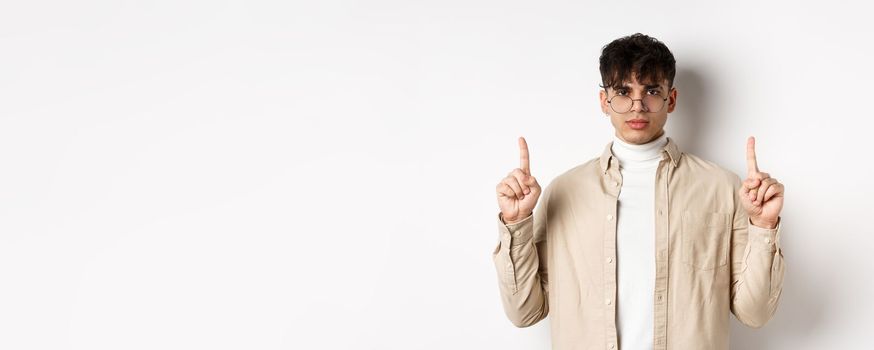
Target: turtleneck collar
630, 154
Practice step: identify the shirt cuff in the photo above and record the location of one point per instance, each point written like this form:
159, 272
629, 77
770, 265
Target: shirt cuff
516, 233
767, 238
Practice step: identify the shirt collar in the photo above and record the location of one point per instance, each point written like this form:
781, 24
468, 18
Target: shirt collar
671, 148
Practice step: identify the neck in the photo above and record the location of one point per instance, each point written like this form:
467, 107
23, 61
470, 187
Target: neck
631, 153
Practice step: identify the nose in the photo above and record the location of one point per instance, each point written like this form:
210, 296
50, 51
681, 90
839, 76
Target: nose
641, 108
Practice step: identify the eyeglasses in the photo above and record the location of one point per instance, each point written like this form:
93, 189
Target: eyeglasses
623, 103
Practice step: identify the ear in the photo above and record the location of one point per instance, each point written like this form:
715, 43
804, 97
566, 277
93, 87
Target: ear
672, 99
602, 95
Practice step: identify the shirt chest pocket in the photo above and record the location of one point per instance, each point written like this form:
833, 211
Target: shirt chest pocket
706, 239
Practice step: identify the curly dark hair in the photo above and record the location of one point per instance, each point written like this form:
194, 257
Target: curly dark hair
638, 54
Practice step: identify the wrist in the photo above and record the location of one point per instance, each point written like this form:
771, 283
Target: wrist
769, 224
510, 221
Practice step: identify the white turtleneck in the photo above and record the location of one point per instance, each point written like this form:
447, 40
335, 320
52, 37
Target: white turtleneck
635, 241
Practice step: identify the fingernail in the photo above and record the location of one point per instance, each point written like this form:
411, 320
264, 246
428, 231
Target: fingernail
527, 191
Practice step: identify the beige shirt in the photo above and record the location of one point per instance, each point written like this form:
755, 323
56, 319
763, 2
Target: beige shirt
561, 260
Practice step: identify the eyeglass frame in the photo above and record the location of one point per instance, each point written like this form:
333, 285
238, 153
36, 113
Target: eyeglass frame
665, 99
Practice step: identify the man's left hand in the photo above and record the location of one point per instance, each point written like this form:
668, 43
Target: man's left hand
761, 194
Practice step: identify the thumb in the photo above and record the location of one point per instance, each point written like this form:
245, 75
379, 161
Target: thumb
529, 180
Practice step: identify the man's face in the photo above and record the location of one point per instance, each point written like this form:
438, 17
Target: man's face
639, 125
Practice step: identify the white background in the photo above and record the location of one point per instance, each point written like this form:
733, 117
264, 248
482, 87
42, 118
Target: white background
321, 174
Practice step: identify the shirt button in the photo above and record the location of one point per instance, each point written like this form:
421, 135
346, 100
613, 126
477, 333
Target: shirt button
609, 302
612, 345
767, 240
615, 183
609, 217
660, 212
609, 260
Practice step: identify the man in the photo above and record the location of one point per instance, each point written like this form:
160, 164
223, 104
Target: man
646, 246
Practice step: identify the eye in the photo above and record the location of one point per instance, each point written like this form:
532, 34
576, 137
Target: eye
621, 92
653, 91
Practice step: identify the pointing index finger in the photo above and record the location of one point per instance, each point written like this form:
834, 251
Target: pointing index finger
523, 155
752, 165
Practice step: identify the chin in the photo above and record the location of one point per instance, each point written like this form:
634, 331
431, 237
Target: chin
636, 137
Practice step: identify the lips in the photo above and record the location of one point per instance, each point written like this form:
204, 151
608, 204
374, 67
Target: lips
638, 124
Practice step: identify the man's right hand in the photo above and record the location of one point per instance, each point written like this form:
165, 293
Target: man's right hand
519, 191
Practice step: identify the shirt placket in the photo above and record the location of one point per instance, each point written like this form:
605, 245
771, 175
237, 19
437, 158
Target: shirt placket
660, 310
612, 182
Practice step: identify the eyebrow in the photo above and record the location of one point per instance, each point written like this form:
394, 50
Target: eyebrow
648, 86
